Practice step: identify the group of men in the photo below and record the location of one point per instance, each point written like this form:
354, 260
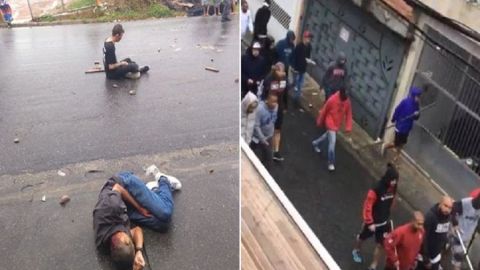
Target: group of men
269, 69
228, 7
265, 85
420, 243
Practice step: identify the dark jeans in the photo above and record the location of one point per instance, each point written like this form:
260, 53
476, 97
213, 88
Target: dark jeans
121, 71
158, 202
264, 153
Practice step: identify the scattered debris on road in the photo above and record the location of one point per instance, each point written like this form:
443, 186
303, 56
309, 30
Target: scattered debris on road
212, 69
310, 105
178, 49
61, 173
64, 200
211, 171
115, 85
17, 140
44, 198
132, 92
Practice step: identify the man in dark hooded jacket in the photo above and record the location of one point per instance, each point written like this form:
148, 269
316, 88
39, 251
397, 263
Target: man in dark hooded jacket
336, 76
284, 50
261, 20
254, 69
405, 114
438, 221
376, 214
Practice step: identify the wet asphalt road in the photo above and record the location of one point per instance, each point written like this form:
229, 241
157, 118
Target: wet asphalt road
182, 118
62, 115
331, 203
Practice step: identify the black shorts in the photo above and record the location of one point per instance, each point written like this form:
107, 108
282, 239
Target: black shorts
380, 233
400, 139
279, 121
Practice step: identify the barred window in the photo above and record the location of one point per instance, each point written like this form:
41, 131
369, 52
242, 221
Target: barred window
281, 15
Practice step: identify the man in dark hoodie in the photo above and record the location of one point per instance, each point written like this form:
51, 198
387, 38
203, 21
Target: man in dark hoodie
261, 20
254, 69
301, 56
336, 76
405, 114
123, 69
437, 225
284, 50
376, 214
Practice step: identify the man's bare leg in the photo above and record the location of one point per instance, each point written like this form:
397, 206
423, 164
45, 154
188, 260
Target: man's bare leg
376, 256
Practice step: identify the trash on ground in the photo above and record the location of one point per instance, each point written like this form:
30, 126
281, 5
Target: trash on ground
178, 49
132, 92
61, 173
211, 60
44, 198
212, 69
211, 171
301, 110
115, 85
310, 105
236, 80
64, 200
17, 140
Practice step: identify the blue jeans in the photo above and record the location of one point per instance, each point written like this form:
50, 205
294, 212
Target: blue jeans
332, 137
299, 80
158, 202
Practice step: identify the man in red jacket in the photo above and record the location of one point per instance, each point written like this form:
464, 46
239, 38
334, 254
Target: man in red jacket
403, 244
376, 214
337, 109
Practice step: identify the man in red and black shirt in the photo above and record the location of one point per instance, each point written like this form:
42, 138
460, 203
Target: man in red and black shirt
403, 244
376, 214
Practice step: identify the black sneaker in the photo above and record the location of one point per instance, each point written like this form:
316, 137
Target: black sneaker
277, 157
144, 69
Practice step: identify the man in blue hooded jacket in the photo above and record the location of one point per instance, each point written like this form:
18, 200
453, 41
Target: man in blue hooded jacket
405, 114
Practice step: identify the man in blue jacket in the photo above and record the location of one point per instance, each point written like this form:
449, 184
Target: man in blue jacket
405, 114
284, 50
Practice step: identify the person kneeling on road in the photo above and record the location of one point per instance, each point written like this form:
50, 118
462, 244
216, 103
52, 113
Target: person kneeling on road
123, 69
124, 203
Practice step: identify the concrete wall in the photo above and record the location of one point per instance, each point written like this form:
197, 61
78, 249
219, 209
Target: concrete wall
459, 10
291, 7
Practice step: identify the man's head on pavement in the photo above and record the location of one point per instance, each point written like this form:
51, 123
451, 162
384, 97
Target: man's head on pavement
341, 59
117, 32
279, 71
446, 205
418, 220
244, 6
307, 37
416, 92
122, 251
272, 101
256, 47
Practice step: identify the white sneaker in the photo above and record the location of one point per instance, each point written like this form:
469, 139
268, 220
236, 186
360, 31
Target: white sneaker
153, 170
316, 148
133, 75
152, 184
331, 167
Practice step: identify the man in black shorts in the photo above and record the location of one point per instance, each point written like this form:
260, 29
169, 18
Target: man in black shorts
123, 69
405, 114
276, 83
376, 214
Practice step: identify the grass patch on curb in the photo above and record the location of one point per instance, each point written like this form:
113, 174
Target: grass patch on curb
46, 18
76, 4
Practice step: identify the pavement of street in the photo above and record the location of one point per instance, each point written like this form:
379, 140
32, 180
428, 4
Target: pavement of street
44, 235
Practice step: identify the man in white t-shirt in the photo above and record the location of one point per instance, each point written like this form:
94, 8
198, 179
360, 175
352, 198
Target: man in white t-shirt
246, 19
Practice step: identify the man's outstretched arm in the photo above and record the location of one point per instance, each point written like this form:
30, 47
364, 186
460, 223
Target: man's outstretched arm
129, 199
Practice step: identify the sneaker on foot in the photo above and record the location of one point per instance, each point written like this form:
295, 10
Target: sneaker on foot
277, 156
152, 184
356, 256
144, 69
331, 167
174, 182
316, 148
